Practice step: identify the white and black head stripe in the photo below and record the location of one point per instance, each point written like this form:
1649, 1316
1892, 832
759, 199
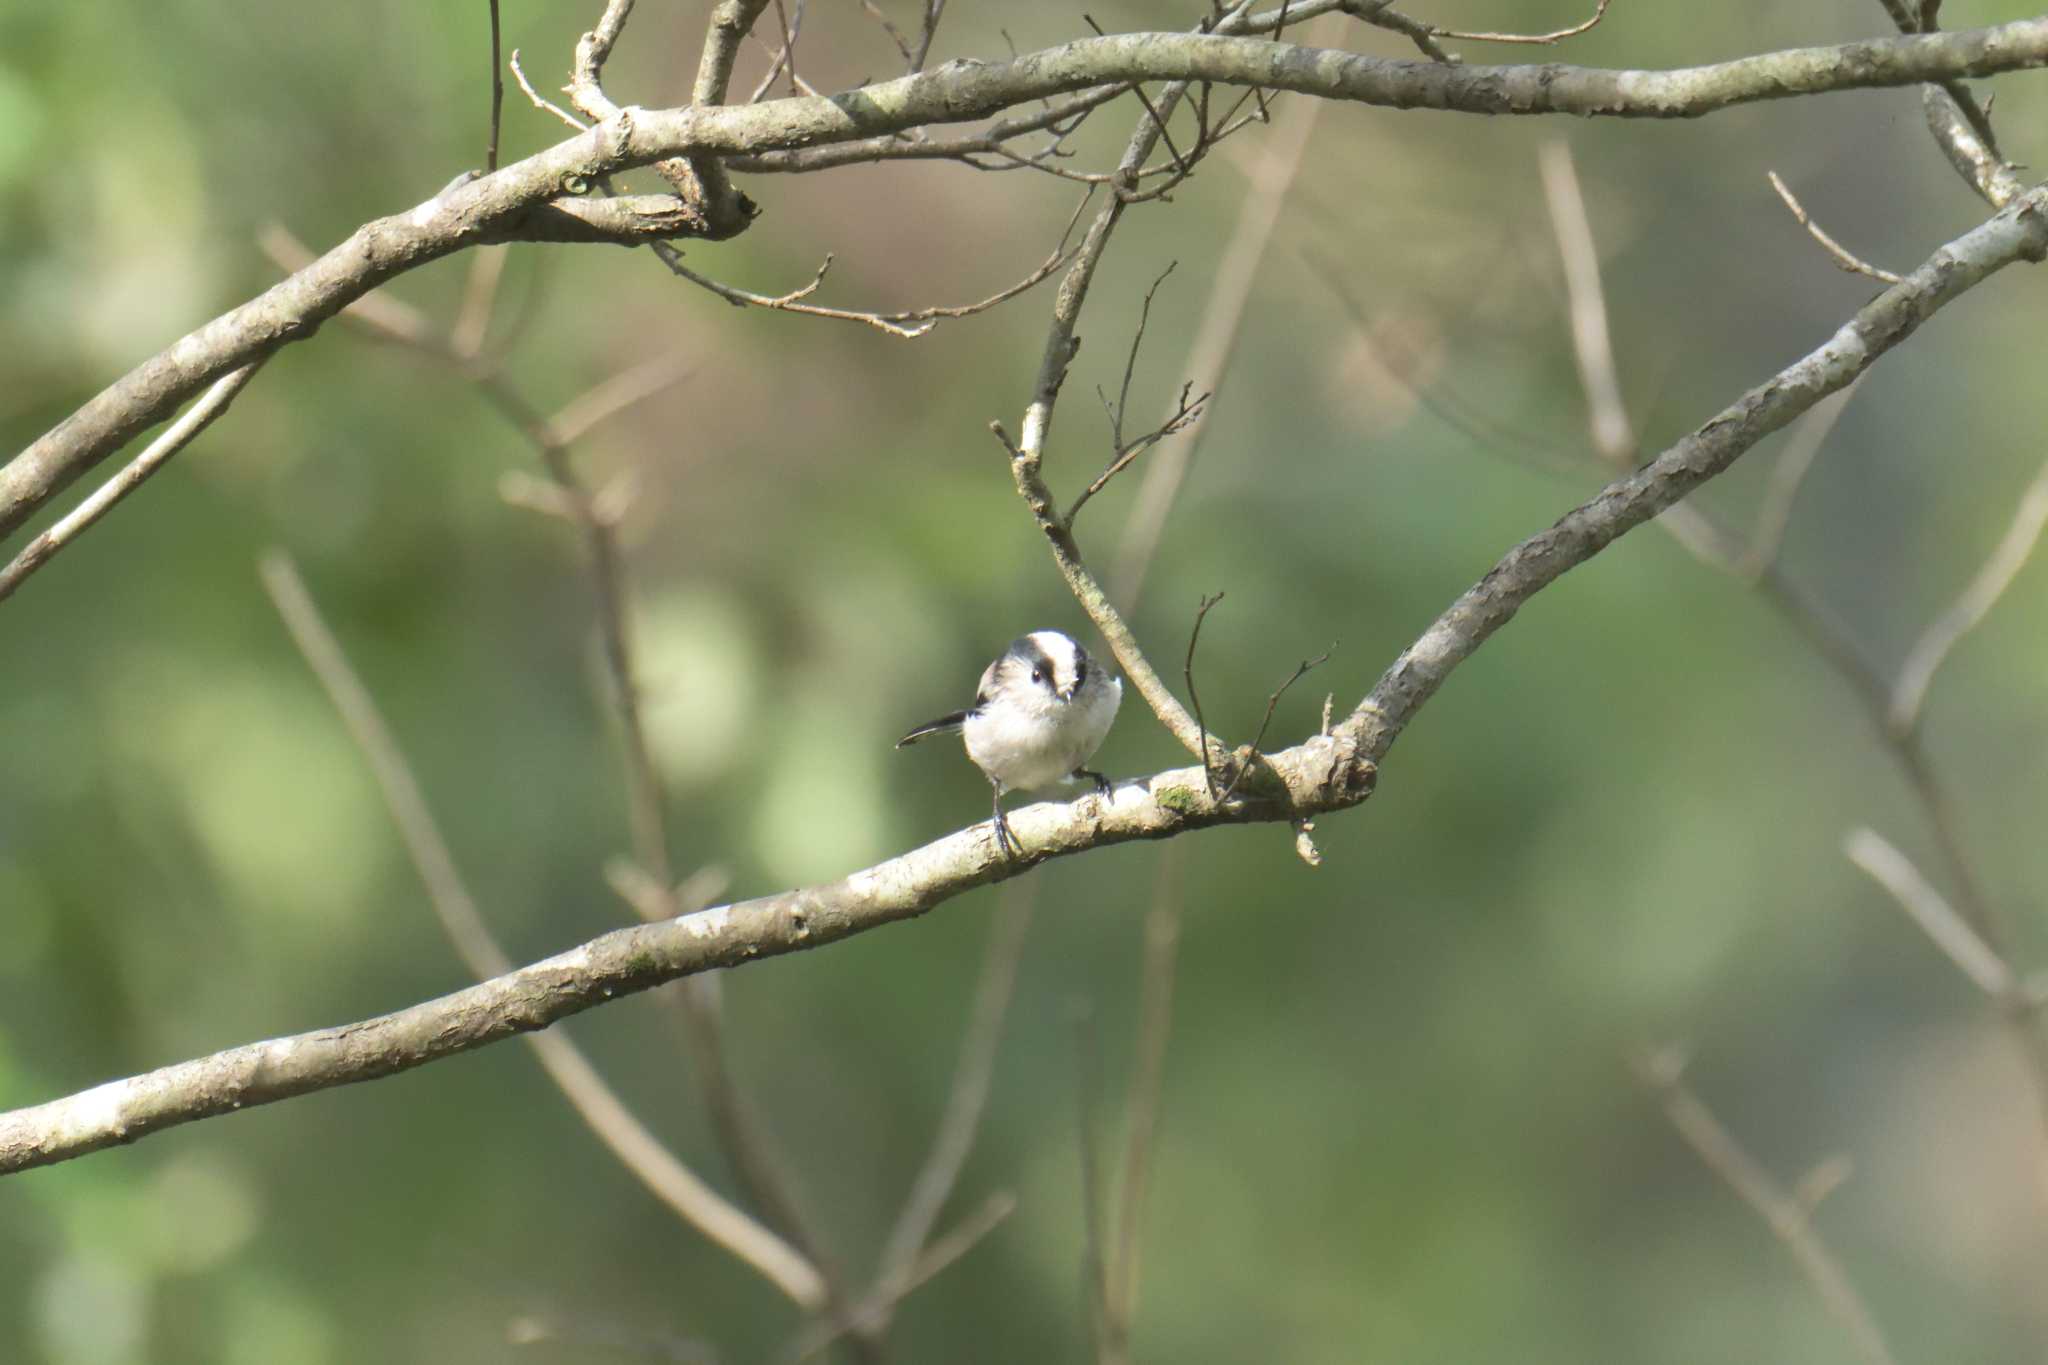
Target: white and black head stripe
1051, 660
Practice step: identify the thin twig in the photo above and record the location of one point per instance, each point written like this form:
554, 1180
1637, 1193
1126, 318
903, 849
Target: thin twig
1123, 398
600, 1108
1094, 1264
908, 325
1930, 910
874, 12
1142, 1108
965, 1101
1270, 178
1756, 565
933, 9
742, 1133
1613, 434
1840, 254
962, 1238
1788, 473
101, 500
785, 56
1790, 1220
739, 1126
479, 301
1381, 14
497, 93
1186, 412
539, 101
1194, 697
1272, 703
612, 396
1028, 453
1909, 694
1541, 39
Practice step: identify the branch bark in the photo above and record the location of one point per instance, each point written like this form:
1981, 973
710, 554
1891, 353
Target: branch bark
509, 205
1327, 772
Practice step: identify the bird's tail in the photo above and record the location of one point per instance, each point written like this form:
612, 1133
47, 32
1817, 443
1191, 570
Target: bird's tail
943, 725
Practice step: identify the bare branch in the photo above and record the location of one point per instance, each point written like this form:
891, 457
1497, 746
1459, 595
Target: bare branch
497, 92
524, 201
1614, 435
1382, 14
1271, 176
539, 102
1543, 39
1028, 453
741, 1132
1969, 610
1959, 125
1784, 1215
928, 30
1929, 909
1808, 435
1142, 1107
1840, 254
479, 301
1194, 697
74, 523
785, 56
1186, 412
1251, 753
614, 395
965, 1102
961, 1239
1094, 1257
874, 12
1323, 773
593, 50
908, 325
700, 176
599, 1106
2016, 233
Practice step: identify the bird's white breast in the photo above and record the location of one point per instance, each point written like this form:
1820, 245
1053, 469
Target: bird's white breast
1040, 741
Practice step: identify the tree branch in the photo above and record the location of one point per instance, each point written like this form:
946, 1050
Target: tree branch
524, 201
1321, 774
1327, 772
2019, 232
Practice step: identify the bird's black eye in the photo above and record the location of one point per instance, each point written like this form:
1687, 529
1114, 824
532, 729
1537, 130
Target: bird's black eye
1038, 674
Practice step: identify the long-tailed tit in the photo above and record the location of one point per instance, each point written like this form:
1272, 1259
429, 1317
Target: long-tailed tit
1040, 713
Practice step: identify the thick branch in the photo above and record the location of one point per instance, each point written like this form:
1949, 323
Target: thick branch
492, 207
961, 91
2017, 233
1319, 775
1327, 772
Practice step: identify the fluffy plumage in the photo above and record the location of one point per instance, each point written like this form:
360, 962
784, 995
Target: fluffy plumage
1040, 713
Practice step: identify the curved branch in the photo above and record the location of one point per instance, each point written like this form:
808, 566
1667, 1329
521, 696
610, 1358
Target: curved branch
1327, 772
2016, 233
1321, 774
501, 207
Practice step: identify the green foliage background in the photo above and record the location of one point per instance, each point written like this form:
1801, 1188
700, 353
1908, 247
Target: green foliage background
1399, 1123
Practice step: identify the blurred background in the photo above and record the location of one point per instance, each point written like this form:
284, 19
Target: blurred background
1399, 1118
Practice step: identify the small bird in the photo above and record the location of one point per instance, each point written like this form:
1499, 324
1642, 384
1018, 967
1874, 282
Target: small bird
1040, 712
